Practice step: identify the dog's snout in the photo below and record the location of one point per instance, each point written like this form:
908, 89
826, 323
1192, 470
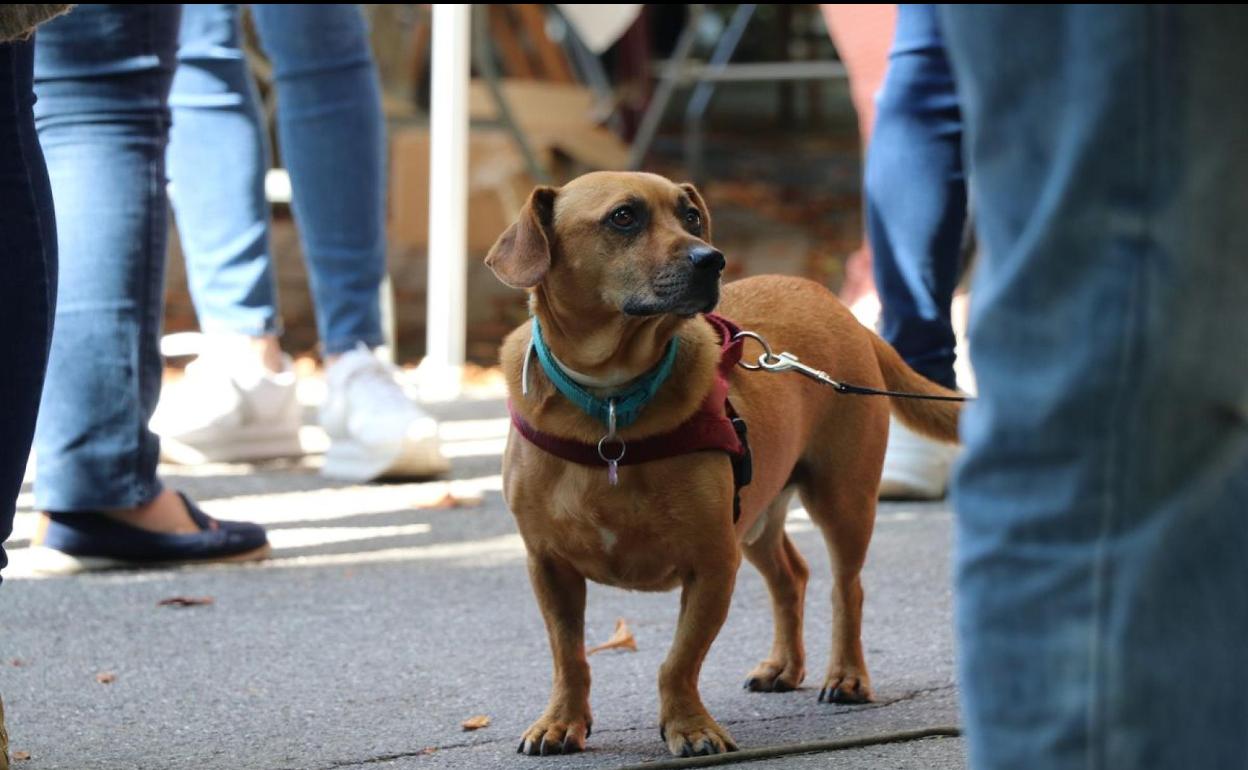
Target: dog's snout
707, 258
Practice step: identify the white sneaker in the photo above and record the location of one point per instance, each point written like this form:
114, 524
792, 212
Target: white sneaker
915, 467
374, 429
227, 408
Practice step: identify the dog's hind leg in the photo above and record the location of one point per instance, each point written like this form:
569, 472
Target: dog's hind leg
845, 514
565, 725
785, 572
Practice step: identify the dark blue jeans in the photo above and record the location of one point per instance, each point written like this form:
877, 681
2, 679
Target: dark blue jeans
28, 257
1102, 499
102, 74
916, 196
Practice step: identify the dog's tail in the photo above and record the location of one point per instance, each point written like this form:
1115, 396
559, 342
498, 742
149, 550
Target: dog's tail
934, 419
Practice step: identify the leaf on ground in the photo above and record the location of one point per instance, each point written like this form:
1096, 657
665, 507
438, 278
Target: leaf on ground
186, 601
451, 501
622, 639
17, 663
21, 756
106, 677
476, 723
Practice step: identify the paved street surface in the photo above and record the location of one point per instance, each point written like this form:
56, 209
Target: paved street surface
391, 613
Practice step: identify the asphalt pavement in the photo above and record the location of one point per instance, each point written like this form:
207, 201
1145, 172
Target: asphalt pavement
391, 613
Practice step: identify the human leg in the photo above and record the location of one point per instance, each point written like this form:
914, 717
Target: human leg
237, 402
1102, 590
332, 136
102, 75
915, 194
333, 142
28, 293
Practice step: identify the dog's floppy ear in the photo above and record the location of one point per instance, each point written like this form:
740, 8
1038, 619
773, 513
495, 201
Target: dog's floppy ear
696, 197
521, 255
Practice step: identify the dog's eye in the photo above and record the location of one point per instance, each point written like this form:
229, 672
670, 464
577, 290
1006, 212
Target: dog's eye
623, 218
693, 218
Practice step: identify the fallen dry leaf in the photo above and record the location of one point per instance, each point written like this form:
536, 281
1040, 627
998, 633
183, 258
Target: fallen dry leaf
476, 723
622, 639
451, 501
17, 663
21, 756
186, 601
106, 677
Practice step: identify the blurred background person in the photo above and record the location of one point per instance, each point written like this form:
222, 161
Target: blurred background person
915, 198
102, 76
914, 191
862, 34
237, 401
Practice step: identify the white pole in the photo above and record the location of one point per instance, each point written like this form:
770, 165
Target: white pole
442, 369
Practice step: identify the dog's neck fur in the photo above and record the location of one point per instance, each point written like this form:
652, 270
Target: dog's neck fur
596, 383
606, 351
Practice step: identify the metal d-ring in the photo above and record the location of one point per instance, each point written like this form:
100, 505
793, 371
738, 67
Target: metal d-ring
611, 436
768, 359
610, 460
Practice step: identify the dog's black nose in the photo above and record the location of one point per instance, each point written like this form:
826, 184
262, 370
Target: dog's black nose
707, 258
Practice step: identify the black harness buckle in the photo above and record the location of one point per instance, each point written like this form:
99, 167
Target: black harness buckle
742, 464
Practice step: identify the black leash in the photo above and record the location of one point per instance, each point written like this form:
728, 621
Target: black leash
770, 362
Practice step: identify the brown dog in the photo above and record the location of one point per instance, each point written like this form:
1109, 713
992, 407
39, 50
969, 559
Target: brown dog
618, 265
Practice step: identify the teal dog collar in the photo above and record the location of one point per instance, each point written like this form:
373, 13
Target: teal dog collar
627, 404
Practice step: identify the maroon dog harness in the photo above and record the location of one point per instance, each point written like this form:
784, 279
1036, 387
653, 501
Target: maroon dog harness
714, 427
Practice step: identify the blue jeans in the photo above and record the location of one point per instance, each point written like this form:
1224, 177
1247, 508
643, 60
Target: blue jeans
1102, 537
28, 256
916, 196
102, 74
333, 143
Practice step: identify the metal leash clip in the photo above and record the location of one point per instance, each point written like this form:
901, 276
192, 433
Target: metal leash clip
789, 362
613, 463
770, 362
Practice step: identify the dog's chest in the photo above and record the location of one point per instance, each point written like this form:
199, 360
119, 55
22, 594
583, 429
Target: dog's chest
616, 535
611, 540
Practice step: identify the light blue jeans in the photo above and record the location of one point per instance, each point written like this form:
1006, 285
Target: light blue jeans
332, 140
1102, 501
102, 75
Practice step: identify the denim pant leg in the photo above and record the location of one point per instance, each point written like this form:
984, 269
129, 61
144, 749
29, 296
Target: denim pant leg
1102, 538
333, 144
218, 155
102, 75
916, 196
28, 259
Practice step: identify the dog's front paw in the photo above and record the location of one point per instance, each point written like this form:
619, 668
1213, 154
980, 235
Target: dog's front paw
556, 734
845, 687
775, 677
695, 736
